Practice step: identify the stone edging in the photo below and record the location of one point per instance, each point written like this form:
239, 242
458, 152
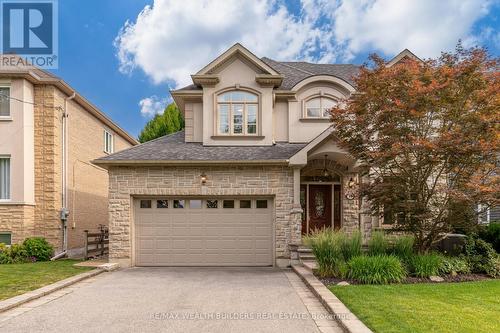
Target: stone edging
349, 322
16, 301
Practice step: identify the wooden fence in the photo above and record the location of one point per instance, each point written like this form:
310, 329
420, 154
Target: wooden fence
96, 243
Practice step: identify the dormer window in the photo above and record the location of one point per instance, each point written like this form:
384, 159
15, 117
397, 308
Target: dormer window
319, 107
237, 113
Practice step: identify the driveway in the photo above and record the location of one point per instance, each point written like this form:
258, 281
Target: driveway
178, 300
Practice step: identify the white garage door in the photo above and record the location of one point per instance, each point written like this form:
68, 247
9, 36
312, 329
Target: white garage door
203, 232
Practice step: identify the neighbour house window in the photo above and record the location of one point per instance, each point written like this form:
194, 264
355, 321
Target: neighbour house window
4, 178
6, 238
237, 113
319, 107
108, 142
4, 102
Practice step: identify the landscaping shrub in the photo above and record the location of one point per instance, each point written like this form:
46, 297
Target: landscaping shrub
480, 255
38, 248
14, 254
325, 246
377, 245
493, 270
333, 249
4, 254
454, 265
351, 245
403, 247
425, 265
377, 269
491, 234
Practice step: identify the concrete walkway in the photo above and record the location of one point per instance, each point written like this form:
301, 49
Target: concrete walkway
177, 300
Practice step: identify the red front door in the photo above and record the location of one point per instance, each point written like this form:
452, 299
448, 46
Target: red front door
320, 207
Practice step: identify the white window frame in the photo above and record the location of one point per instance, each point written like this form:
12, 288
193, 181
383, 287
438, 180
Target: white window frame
231, 115
9, 116
9, 184
485, 217
111, 148
320, 97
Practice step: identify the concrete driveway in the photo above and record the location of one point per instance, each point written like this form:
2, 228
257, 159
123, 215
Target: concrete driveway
178, 300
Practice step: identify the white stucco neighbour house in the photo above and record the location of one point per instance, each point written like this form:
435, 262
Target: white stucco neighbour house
255, 168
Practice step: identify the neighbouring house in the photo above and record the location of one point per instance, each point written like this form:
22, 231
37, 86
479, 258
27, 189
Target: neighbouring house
49, 134
255, 168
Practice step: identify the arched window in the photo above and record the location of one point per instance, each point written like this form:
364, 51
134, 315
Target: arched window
318, 107
237, 113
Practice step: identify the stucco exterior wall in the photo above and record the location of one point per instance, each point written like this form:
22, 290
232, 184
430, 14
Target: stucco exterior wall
127, 182
17, 141
242, 74
280, 122
302, 129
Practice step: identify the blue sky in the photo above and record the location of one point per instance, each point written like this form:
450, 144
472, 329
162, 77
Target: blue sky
127, 69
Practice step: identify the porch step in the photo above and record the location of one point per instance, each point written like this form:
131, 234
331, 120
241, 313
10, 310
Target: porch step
310, 265
304, 249
306, 256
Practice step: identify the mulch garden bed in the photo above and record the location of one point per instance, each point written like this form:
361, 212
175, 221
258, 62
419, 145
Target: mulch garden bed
409, 280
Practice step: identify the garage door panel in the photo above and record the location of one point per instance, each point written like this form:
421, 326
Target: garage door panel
203, 236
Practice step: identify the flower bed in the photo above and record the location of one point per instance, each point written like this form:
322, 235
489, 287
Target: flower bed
390, 259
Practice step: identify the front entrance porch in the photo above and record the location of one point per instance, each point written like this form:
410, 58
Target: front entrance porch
326, 188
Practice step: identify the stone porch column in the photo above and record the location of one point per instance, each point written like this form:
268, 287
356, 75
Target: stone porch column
296, 212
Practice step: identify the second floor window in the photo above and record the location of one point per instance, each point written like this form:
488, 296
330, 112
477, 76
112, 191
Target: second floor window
319, 107
237, 113
4, 102
108, 142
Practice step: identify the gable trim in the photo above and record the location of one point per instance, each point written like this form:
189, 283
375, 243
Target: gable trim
237, 49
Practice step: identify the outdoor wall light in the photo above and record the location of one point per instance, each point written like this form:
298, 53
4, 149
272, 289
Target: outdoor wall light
203, 178
351, 183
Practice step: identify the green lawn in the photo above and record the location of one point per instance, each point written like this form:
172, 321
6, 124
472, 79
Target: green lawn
17, 279
444, 307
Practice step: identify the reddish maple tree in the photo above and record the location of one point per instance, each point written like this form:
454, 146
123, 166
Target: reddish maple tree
427, 133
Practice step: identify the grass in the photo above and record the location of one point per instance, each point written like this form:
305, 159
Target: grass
17, 279
443, 307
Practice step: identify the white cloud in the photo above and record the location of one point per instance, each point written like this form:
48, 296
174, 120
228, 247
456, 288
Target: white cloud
151, 106
427, 27
171, 40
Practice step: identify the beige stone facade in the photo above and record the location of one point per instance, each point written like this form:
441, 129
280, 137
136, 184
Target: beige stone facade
264, 181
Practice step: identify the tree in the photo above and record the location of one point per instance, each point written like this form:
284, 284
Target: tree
427, 134
170, 121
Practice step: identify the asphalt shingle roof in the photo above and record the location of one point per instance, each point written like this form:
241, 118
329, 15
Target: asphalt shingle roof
295, 71
173, 148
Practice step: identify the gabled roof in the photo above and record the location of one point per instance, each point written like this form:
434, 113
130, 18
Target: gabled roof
171, 149
296, 71
240, 50
401, 56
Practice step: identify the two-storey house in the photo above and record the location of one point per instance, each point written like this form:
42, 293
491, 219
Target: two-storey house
49, 134
255, 168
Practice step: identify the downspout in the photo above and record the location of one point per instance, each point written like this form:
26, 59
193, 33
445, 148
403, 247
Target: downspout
64, 213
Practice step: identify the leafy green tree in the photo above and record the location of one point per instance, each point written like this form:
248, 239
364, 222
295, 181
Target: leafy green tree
170, 121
